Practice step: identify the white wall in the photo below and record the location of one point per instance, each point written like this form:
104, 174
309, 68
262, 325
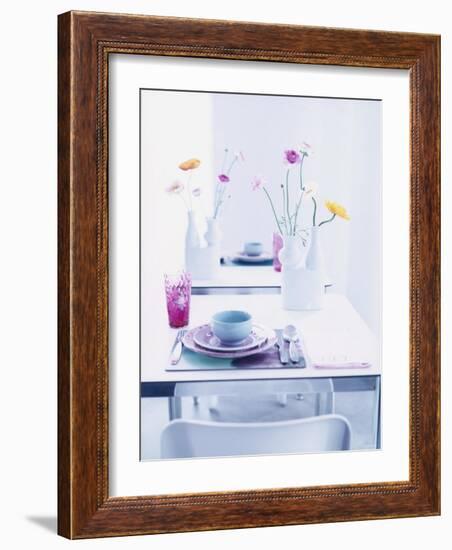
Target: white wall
28, 274
174, 127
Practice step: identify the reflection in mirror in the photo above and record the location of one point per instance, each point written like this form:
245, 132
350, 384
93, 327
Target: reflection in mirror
237, 176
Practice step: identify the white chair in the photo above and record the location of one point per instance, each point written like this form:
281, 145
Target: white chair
322, 387
195, 438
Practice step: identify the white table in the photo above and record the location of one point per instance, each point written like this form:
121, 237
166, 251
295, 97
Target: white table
239, 276
262, 277
337, 327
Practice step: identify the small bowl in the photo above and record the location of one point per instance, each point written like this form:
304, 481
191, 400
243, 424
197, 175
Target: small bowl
253, 248
232, 327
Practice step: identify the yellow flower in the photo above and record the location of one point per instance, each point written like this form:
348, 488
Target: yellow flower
337, 209
189, 164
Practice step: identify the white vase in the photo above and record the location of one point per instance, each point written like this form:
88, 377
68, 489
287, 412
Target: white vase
212, 253
213, 233
193, 260
301, 288
315, 259
191, 236
291, 254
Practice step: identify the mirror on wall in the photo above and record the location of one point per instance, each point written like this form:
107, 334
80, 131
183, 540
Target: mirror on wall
226, 171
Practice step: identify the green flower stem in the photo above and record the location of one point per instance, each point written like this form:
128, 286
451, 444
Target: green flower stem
296, 212
219, 199
284, 208
217, 207
287, 201
273, 209
301, 171
328, 220
314, 214
216, 202
301, 195
231, 165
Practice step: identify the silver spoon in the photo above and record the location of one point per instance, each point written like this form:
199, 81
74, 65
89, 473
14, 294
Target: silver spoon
290, 335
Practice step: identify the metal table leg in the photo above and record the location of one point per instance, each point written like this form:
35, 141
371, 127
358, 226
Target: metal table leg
377, 412
174, 407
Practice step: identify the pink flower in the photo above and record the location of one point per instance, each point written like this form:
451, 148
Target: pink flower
175, 187
291, 156
306, 149
223, 178
257, 183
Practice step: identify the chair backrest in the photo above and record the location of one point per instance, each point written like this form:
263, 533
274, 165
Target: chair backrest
194, 438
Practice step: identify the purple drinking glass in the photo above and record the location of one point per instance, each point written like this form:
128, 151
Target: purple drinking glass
277, 245
178, 291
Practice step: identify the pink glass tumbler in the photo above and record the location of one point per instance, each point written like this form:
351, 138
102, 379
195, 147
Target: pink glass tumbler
277, 245
178, 291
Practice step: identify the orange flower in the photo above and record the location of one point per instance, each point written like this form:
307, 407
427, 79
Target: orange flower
189, 164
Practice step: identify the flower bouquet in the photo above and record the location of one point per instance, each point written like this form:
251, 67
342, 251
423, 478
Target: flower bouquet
300, 290
202, 261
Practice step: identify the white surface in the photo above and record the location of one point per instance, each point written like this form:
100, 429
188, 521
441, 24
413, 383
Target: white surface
127, 476
163, 149
329, 335
242, 276
182, 438
28, 305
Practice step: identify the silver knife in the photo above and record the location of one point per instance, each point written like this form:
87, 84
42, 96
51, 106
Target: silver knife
293, 352
176, 352
283, 349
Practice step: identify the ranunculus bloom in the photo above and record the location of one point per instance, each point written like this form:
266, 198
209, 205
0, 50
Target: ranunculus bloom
257, 183
291, 156
306, 149
223, 178
175, 187
310, 189
337, 209
189, 164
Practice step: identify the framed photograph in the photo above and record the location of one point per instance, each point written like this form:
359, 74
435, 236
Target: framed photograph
248, 275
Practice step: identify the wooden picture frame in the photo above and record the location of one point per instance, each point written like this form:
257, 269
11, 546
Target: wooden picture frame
85, 42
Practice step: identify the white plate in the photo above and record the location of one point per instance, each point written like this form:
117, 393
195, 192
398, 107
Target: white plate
205, 338
247, 259
190, 344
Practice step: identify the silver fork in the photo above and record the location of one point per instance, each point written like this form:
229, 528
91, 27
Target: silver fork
176, 352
